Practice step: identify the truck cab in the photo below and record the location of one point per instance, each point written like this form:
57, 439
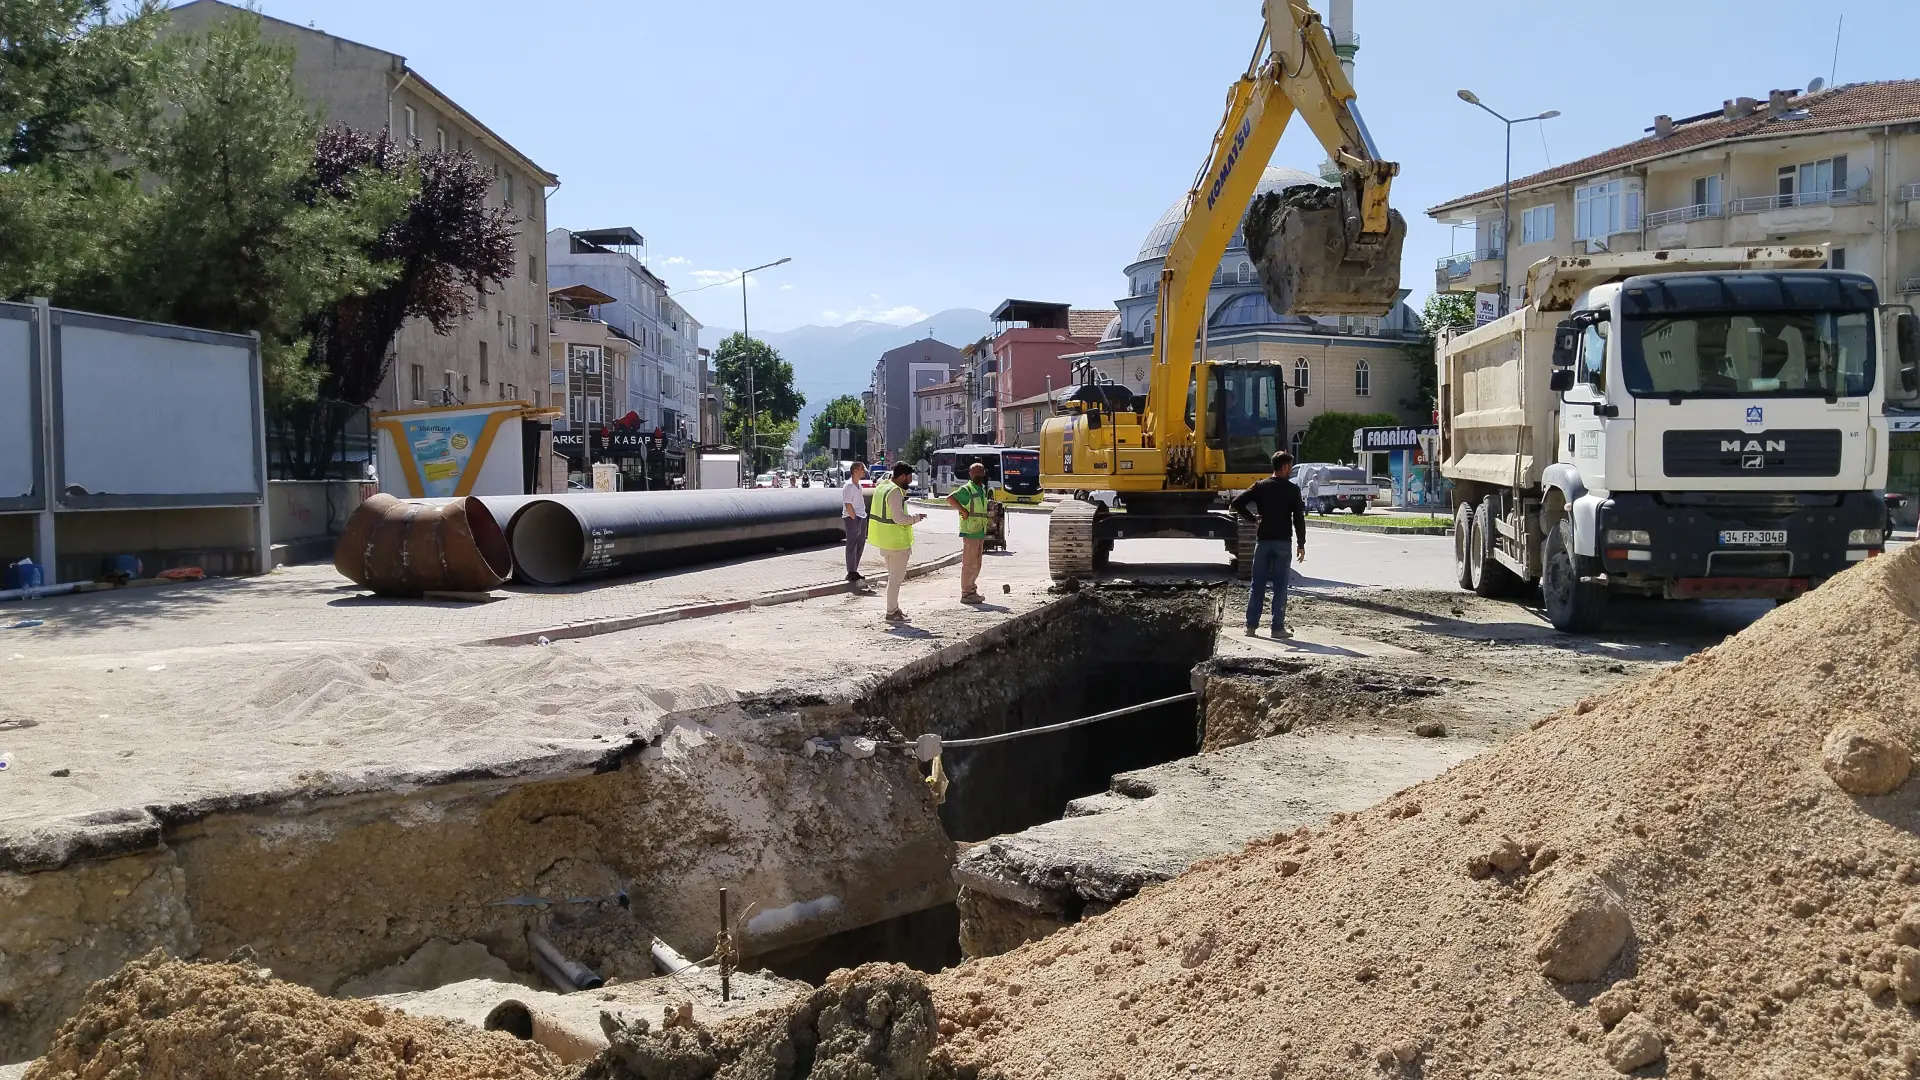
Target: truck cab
1709, 432
1727, 430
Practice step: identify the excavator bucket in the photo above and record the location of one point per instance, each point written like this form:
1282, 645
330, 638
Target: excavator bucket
1313, 258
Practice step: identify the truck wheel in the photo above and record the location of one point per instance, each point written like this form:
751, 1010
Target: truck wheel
1491, 578
1573, 606
1462, 544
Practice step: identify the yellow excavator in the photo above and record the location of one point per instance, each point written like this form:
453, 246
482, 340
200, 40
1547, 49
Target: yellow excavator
1208, 426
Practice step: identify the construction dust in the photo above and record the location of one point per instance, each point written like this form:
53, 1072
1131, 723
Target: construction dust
1676, 878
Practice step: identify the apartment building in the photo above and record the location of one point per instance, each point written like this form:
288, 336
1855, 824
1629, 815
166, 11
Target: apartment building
587, 365
942, 408
892, 410
1835, 165
663, 376
498, 353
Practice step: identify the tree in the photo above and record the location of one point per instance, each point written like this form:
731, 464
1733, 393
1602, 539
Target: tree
821, 460
1329, 436
779, 404
1442, 311
73, 78
921, 443
847, 412
442, 247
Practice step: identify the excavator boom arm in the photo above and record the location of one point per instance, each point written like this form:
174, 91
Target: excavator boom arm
1294, 70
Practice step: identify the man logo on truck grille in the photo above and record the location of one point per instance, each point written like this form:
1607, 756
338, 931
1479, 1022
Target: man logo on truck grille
1753, 461
1753, 446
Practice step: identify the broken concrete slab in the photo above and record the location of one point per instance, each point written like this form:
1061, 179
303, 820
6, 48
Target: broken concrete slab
1154, 823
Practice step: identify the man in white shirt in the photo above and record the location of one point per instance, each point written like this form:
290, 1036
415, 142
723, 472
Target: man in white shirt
853, 515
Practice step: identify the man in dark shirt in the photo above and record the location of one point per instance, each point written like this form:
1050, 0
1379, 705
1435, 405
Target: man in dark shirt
1278, 508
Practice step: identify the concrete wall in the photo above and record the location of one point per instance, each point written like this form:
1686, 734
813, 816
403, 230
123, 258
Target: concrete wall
306, 509
219, 540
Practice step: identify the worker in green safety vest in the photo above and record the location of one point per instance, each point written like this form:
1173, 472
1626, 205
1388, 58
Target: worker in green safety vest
890, 531
974, 502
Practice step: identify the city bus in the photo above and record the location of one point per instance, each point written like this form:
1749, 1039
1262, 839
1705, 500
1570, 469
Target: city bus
1012, 470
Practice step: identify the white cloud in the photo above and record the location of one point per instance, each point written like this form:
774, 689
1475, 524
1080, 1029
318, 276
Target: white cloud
784, 288
675, 260
897, 316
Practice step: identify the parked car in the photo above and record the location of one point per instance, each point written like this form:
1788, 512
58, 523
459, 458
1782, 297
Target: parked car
768, 480
1383, 491
1327, 487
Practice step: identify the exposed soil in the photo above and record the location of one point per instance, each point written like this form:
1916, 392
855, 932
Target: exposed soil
1675, 878
162, 1019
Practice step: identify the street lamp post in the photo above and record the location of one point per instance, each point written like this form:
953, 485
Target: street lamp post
1506, 191
753, 405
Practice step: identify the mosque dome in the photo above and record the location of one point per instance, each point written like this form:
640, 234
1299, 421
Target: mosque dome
1274, 178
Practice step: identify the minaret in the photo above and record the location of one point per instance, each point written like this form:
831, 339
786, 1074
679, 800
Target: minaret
1340, 24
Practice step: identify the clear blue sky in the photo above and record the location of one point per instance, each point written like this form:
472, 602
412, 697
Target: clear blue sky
912, 157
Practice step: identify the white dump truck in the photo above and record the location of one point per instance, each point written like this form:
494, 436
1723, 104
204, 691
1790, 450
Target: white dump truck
1691, 423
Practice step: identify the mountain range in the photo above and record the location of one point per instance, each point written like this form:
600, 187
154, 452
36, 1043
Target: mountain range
832, 360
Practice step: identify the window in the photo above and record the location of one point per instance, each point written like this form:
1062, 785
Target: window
413, 131
465, 386
506, 179
576, 410
513, 331
586, 358
419, 374
482, 297
440, 139
1706, 192
1362, 379
593, 409
533, 270
1813, 182
1219, 275
446, 387
1593, 357
483, 363
1536, 224
1837, 259
1302, 373
1246, 272
1601, 210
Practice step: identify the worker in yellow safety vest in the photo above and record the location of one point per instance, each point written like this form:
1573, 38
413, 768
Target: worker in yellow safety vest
890, 531
974, 502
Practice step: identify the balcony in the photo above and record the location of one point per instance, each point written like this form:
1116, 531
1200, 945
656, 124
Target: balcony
1682, 214
1837, 197
1466, 271
1910, 285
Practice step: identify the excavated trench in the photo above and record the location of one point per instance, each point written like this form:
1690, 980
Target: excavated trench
830, 860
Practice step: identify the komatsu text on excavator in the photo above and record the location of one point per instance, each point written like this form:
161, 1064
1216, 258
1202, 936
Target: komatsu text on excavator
1208, 426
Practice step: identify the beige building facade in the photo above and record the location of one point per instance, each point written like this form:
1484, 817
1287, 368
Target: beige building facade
1838, 166
499, 353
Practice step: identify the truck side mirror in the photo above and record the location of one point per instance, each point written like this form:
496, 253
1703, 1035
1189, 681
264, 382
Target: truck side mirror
1566, 344
1906, 336
1561, 380
1300, 398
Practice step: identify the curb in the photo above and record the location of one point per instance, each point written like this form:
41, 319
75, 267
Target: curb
1390, 530
597, 627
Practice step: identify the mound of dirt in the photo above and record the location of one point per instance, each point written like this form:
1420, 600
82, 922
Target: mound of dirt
1248, 699
874, 1022
163, 1019
1662, 881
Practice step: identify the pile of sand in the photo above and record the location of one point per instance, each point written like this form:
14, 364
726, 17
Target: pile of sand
1686, 877
162, 1019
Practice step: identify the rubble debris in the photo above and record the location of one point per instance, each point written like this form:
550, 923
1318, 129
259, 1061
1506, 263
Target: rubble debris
1865, 758
159, 1017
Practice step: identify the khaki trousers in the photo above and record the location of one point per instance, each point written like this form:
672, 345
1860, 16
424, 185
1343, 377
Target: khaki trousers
971, 550
896, 573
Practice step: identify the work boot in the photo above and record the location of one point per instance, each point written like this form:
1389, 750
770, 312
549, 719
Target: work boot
973, 598
1282, 632
1253, 631
896, 616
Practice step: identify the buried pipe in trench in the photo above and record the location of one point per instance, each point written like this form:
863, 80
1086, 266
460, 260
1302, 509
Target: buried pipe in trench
558, 539
566, 975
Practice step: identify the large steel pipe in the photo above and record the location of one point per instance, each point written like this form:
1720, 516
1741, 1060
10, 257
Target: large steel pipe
400, 547
562, 538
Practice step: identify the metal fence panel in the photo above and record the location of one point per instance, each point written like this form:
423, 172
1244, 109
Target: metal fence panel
20, 462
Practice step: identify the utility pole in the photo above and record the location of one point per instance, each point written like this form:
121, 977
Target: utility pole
1506, 191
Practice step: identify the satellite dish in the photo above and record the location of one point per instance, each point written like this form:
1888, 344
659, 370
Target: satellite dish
1816, 85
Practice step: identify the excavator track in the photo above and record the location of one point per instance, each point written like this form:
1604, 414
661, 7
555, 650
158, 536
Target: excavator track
1070, 543
1245, 538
